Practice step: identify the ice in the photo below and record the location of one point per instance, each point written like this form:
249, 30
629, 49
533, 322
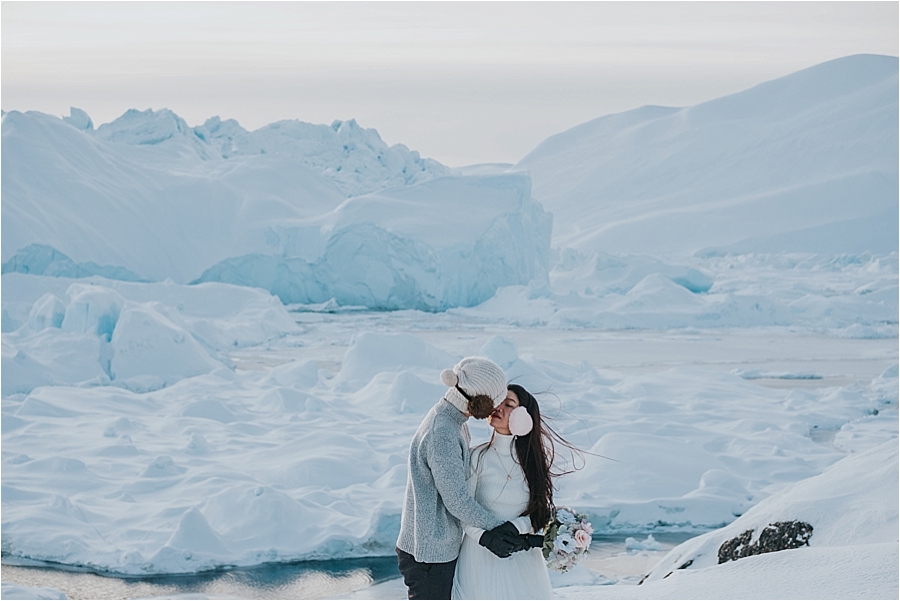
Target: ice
854, 297
650, 544
355, 158
79, 119
40, 259
110, 332
92, 310
155, 200
47, 312
430, 246
146, 343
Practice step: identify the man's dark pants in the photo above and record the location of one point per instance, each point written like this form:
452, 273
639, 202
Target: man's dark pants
426, 580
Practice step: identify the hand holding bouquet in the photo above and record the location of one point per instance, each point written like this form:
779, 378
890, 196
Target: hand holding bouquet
566, 538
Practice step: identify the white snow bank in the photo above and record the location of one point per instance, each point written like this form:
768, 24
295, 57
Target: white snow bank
370, 354
847, 572
51, 357
11, 590
853, 502
804, 163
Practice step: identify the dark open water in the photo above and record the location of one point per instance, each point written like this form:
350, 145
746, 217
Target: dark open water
302, 580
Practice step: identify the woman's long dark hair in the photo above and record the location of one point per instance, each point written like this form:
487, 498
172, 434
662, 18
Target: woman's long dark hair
537, 453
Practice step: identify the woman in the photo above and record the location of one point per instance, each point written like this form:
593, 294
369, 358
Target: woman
511, 477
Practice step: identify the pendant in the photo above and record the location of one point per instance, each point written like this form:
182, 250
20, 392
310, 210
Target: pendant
508, 477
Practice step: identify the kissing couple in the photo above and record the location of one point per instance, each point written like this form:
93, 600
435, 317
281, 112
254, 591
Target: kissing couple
471, 517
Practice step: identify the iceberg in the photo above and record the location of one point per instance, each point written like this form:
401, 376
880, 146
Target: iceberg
310, 213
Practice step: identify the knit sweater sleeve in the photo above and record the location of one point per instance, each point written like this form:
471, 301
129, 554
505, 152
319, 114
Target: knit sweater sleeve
473, 532
449, 471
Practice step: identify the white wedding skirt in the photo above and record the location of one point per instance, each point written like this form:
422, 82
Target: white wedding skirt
482, 575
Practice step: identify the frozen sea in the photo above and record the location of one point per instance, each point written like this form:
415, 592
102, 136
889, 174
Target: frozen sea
774, 361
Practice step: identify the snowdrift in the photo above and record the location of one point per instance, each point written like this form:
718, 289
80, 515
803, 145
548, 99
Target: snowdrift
852, 502
852, 553
148, 198
804, 163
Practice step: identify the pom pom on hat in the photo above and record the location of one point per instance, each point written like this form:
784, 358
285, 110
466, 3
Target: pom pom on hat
449, 378
520, 422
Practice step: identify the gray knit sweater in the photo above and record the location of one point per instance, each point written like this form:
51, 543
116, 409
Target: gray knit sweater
437, 498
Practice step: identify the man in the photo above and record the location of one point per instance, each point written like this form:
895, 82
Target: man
437, 499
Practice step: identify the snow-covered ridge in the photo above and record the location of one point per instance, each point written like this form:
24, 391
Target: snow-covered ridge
357, 160
148, 197
804, 163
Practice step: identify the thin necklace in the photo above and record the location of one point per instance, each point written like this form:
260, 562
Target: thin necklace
508, 473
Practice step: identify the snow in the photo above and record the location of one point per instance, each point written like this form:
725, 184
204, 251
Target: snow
850, 572
804, 163
199, 371
166, 449
18, 591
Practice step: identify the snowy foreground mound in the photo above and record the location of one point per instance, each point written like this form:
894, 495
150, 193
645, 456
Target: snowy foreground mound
852, 553
804, 163
148, 198
132, 444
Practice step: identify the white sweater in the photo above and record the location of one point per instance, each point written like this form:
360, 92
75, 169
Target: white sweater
497, 481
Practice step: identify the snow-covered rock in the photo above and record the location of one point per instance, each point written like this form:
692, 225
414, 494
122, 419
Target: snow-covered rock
854, 501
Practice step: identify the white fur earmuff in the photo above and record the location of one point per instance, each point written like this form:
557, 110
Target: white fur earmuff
520, 422
449, 378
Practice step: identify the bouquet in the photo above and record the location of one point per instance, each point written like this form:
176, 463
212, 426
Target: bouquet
566, 538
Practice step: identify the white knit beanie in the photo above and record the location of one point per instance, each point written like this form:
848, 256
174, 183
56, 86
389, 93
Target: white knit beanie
475, 375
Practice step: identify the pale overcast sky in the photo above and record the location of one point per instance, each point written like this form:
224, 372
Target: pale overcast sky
461, 82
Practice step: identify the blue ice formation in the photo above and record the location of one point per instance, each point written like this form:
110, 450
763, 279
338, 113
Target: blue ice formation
456, 252
40, 259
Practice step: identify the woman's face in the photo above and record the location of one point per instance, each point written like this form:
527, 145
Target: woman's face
499, 419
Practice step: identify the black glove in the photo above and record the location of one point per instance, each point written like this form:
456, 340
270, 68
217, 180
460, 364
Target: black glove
502, 541
524, 542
